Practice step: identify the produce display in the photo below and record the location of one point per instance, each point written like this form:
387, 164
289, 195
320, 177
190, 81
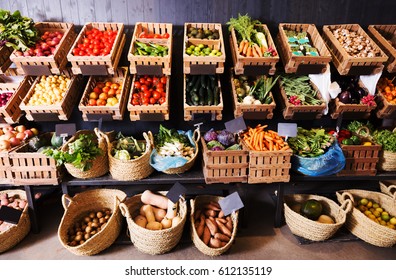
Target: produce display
313, 210
202, 50
50, 90
254, 90
354, 44
202, 90
4, 97
127, 147
150, 49
258, 139
43, 142
84, 229
45, 46
299, 90
300, 43
96, 43
10, 201
149, 90
252, 40
213, 228
345, 137
360, 128
352, 92
386, 138
157, 212
106, 93
376, 213
311, 143
221, 140
13, 136
171, 143
200, 33
388, 89
148, 35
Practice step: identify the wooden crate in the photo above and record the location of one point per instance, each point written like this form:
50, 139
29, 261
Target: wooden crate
247, 65
156, 111
11, 112
385, 109
225, 166
98, 65
269, 167
140, 63
309, 112
204, 64
346, 64
116, 112
214, 110
6, 175
54, 64
263, 111
34, 168
360, 160
5, 61
384, 36
305, 64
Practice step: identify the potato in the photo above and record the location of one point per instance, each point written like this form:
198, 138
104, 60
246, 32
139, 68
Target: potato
140, 221
166, 223
154, 226
99, 215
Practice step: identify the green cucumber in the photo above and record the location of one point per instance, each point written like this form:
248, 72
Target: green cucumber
194, 99
210, 97
201, 94
203, 81
216, 95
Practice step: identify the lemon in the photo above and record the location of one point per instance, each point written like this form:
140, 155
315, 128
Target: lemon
375, 205
393, 221
367, 143
369, 204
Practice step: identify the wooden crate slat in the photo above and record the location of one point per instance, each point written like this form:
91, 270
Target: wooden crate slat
5, 61
381, 34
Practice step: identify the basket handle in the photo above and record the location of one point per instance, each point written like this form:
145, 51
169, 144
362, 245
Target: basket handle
347, 206
66, 200
347, 196
363, 128
149, 139
196, 135
124, 210
392, 190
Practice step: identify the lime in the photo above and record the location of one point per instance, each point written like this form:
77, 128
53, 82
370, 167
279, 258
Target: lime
201, 46
367, 213
363, 201
375, 205
379, 209
385, 216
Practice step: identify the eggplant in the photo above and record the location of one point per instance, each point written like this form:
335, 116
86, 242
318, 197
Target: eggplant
345, 97
362, 92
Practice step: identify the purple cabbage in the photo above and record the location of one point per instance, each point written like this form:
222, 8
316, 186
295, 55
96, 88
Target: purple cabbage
210, 135
217, 148
212, 144
226, 138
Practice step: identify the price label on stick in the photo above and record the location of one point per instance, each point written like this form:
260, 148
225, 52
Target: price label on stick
65, 129
231, 203
177, 191
10, 215
236, 125
287, 129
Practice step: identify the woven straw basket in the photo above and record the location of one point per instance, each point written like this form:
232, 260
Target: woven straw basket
198, 203
389, 190
83, 203
313, 230
364, 228
100, 165
153, 242
134, 169
387, 160
15, 234
187, 166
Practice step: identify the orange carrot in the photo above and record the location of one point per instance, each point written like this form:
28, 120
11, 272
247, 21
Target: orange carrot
245, 48
258, 50
249, 52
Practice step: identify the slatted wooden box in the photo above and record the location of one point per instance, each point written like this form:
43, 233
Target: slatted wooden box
53, 64
6, 176
34, 168
225, 166
153, 111
385, 109
204, 64
248, 65
11, 112
360, 160
347, 64
216, 111
140, 63
116, 112
385, 37
305, 64
5, 61
98, 65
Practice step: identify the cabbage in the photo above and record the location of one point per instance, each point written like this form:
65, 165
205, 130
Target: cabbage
226, 138
213, 144
234, 147
218, 148
210, 135
122, 155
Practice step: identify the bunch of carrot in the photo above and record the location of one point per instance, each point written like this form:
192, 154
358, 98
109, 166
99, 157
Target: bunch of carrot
259, 139
250, 49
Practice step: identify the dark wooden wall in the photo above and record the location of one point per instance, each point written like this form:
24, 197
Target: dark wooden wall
178, 12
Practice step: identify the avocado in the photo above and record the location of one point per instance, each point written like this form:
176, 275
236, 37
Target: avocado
311, 209
56, 141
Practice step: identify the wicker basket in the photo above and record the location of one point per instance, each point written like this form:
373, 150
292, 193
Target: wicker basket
79, 205
197, 204
389, 190
153, 242
387, 159
134, 169
15, 234
364, 228
313, 230
100, 165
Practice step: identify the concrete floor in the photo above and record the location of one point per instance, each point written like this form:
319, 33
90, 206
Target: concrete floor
258, 240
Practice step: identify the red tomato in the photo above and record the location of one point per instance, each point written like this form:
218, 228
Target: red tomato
137, 85
143, 87
162, 100
163, 80
160, 86
157, 36
76, 51
147, 94
135, 96
135, 101
97, 90
165, 36
153, 100
156, 95
142, 80
146, 100
155, 80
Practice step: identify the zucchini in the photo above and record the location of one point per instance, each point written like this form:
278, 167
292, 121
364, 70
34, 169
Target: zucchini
210, 97
194, 99
203, 81
192, 80
196, 84
213, 83
216, 95
201, 95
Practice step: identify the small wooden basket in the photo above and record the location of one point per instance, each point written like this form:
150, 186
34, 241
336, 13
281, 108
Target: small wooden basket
62, 110
53, 64
260, 65
214, 110
157, 111
139, 63
306, 64
34, 168
11, 112
5, 61
225, 166
113, 112
310, 112
349, 65
385, 109
98, 65
385, 36
204, 64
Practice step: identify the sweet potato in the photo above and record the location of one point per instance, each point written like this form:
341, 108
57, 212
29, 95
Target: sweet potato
210, 213
148, 213
201, 226
157, 200
223, 228
222, 237
154, 226
140, 221
206, 235
212, 226
215, 243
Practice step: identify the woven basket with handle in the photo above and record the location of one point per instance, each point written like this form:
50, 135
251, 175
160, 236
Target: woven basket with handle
387, 159
198, 203
389, 190
313, 230
15, 234
91, 201
153, 242
365, 228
